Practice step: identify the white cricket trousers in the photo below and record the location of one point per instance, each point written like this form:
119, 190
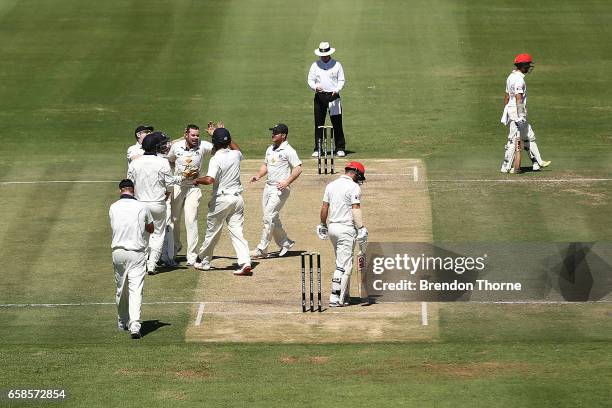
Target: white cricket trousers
272, 202
187, 198
130, 271
225, 208
526, 134
343, 239
156, 240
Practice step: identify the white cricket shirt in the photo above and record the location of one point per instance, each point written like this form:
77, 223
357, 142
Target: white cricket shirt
151, 176
187, 159
128, 217
329, 76
515, 84
280, 162
133, 151
224, 167
341, 194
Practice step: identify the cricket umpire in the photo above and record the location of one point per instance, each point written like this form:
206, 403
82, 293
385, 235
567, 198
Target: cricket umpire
342, 222
131, 223
326, 79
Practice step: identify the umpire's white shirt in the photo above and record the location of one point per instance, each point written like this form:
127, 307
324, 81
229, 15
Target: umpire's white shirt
224, 167
128, 217
329, 76
185, 158
151, 176
341, 194
280, 162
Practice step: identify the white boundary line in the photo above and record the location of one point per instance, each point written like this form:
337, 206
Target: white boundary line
198, 320
424, 316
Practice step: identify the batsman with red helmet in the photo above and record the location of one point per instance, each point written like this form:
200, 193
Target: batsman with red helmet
342, 222
515, 118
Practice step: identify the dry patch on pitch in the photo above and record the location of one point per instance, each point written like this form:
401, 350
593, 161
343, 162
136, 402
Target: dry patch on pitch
267, 307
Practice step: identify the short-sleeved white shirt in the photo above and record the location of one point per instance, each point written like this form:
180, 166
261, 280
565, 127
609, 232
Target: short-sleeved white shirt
128, 217
280, 162
186, 159
224, 167
152, 177
341, 194
515, 84
329, 76
134, 151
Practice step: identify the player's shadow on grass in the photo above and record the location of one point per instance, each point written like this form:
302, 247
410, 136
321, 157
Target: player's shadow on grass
234, 266
149, 326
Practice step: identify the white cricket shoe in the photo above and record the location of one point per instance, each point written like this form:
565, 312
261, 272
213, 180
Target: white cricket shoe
286, 247
202, 266
545, 163
335, 304
121, 326
315, 154
244, 270
536, 167
258, 254
340, 153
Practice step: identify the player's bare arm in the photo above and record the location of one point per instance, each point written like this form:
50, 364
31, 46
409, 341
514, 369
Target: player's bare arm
324, 212
520, 108
295, 173
206, 180
149, 228
263, 170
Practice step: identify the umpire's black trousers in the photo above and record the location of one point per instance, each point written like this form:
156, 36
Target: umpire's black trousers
321, 106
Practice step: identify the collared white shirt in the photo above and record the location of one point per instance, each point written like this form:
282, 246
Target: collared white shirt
152, 177
134, 151
515, 84
186, 159
329, 76
341, 194
280, 162
128, 217
224, 167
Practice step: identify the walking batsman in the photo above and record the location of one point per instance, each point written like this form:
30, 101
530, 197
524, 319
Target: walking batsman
152, 179
131, 223
516, 119
326, 79
283, 167
342, 222
226, 204
187, 156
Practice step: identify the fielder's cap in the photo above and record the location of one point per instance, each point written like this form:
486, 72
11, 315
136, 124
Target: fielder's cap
523, 58
126, 183
279, 128
142, 128
221, 136
324, 49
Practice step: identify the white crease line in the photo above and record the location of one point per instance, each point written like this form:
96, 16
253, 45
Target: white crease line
567, 180
424, 316
58, 181
415, 173
200, 314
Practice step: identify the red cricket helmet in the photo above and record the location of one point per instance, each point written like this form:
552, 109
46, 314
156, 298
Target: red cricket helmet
523, 58
359, 169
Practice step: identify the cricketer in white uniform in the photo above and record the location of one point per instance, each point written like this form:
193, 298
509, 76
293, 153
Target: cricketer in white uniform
515, 117
342, 222
226, 203
135, 151
152, 179
187, 156
283, 167
131, 223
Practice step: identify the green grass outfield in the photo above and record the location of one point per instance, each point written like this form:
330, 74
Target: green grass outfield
425, 79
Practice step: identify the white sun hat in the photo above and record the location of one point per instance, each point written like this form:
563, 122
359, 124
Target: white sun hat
324, 49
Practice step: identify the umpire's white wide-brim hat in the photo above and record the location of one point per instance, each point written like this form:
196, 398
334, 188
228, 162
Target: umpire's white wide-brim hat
324, 50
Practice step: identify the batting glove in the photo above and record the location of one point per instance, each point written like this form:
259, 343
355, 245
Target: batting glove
362, 235
322, 232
